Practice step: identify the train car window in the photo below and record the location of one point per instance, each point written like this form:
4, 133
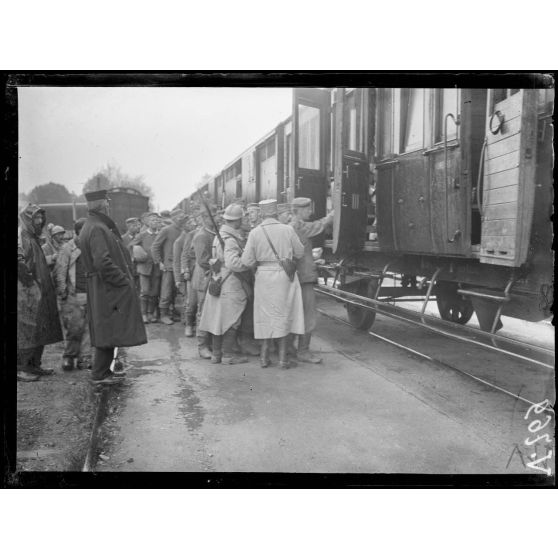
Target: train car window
308, 137
445, 102
352, 133
412, 119
385, 123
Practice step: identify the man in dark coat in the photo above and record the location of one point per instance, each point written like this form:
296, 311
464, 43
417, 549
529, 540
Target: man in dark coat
187, 264
38, 323
113, 304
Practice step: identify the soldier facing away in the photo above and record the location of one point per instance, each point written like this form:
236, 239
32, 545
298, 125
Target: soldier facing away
278, 309
306, 269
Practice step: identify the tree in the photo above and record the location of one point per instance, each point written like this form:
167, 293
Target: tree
50, 193
111, 176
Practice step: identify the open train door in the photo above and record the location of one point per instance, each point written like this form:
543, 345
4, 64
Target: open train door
508, 192
351, 170
311, 137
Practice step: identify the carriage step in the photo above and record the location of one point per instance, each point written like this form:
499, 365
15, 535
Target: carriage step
486, 296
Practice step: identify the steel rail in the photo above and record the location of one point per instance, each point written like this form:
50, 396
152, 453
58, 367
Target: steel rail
496, 342
435, 361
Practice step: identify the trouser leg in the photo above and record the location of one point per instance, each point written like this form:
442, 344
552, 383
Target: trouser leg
217, 349
203, 336
72, 322
191, 304
264, 353
38, 356
309, 305
85, 345
102, 362
167, 290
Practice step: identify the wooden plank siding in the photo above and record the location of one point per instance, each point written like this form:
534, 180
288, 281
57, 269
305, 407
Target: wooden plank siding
508, 192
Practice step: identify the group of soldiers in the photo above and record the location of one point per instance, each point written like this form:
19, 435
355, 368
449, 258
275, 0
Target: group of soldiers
240, 279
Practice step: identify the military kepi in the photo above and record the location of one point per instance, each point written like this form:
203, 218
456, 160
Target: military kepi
301, 202
96, 195
268, 206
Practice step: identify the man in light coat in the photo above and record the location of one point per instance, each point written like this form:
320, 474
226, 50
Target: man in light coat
71, 287
306, 270
112, 300
278, 309
222, 315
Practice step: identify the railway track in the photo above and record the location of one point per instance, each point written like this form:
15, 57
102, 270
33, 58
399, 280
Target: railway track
533, 354
444, 362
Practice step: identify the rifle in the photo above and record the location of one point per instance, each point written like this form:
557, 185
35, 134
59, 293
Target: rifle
204, 202
222, 242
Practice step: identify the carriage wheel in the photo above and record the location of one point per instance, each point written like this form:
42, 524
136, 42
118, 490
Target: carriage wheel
360, 317
452, 306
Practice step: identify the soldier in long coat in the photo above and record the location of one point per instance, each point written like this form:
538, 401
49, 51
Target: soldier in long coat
307, 272
202, 244
278, 307
187, 265
38, 322
113, 304
222, 314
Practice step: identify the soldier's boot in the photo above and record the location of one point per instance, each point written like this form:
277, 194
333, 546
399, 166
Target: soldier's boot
291, 349
190, 323
203, 344
264, 353
247, 345
229, 342
68, 364
151, 311
165, 318
304, 354
217, 349
144, 317
283, 356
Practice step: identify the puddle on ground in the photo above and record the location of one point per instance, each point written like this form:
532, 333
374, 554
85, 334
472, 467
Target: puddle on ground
189, 406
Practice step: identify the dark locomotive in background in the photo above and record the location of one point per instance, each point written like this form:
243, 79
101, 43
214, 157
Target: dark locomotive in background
445, 192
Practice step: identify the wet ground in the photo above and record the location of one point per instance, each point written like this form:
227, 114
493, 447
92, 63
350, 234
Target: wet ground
369, 408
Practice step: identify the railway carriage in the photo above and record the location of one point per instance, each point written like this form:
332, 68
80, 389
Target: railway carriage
438, 194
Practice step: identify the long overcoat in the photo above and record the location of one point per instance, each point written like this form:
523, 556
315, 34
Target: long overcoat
278, 307
38, 323
114, 308
220, 313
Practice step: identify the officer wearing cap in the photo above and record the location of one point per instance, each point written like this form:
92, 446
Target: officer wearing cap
222, 314
278, 309
284, 213
162, 252
112, 301
306, 269
149, 273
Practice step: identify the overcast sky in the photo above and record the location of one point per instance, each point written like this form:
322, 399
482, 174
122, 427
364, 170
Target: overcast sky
170, 136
